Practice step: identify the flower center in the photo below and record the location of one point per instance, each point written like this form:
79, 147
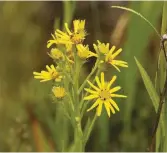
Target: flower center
77, 39
104, 94
54, 74
78, 36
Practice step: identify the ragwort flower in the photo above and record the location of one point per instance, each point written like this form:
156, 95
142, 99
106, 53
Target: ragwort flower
110, 55
59, 92
84, 52
56, 54
69, 37
103, 93
50, 74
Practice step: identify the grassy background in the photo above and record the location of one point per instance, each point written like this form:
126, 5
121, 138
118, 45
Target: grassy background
28, 119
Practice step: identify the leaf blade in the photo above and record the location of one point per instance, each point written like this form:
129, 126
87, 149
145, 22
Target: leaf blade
149, 86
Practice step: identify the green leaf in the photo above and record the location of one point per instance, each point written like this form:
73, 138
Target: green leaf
149, 86
151, 91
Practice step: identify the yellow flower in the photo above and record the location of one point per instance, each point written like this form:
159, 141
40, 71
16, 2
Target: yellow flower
69, 37
103, 93
50, 74
56, 54
59, 92
101, 47
84, 52
52, 41
110, 55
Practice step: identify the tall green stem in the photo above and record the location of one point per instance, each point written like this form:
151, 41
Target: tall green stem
164, 19
163, 30
88, 132
78, 134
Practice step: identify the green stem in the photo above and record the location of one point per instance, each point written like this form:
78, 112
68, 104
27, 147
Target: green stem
163, 116
87, 135
69, 7
164, 19
78, 134
88, 77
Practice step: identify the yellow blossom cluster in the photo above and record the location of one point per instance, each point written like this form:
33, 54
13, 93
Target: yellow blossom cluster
67, 49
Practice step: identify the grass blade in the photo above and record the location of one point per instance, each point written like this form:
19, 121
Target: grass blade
149, 86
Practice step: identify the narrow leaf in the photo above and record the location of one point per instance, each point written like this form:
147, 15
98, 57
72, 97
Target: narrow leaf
151, 91
149, 86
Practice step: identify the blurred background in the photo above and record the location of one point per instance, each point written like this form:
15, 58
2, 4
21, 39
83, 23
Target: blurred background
29, 121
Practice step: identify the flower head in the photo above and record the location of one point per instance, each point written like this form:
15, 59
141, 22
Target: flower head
84, 52
103, 93
59, 92
56, 54
69, 37
50, 74
110, 55
101, 47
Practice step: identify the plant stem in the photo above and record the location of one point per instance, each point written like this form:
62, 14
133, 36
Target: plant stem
158, 117
164, 18
78, 134
90, 129
88, 77
162, 96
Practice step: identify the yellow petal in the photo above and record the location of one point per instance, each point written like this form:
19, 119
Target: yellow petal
95, 47
93, 96
116, 53
36, 73
45, 73
91, 54
94, 105
111, 50
91, 91
99, 108
115, 66
106, 104
115, 89
112, 109
67, 29
44, 80
48, 68
114, 104
93, 86
61, 36
111, 81
38, 77
107, 46
119, 63
120, 96
60, 33
98, 81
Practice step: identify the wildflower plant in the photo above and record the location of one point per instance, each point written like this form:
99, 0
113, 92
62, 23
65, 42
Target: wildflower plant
68, 51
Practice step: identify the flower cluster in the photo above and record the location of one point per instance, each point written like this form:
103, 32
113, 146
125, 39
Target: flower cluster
69, 53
